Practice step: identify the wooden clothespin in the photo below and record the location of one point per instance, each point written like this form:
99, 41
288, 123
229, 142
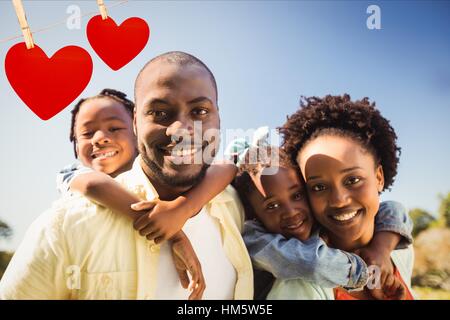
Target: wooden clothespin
20, 12
102, 8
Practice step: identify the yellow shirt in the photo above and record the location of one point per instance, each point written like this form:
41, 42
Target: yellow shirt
78, 250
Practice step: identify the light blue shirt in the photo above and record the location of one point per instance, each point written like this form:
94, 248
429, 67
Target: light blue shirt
300, 289
66, 175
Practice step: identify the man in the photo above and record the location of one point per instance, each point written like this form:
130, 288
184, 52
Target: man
80, 250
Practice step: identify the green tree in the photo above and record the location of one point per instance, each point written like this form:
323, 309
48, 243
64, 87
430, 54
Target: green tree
5, 230
5, 257
444, 210
422, 220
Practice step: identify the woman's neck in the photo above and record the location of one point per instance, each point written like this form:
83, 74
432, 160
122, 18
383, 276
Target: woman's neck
350, 245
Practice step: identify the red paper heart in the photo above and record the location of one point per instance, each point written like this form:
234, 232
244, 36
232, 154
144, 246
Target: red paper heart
48, 85
117, 45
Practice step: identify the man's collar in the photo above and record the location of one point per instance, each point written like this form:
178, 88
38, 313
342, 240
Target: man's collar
137, 179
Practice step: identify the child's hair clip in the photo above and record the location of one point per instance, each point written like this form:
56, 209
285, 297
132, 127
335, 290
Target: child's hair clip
237, 150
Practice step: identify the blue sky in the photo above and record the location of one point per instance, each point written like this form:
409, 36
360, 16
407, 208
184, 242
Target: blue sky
265, 55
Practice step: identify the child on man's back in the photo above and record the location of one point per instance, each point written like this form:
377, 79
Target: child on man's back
104, 142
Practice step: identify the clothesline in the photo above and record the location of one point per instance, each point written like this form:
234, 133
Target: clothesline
53, 25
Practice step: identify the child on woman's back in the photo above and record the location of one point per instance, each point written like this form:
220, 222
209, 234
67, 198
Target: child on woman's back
281, 234
283, 238
348, 155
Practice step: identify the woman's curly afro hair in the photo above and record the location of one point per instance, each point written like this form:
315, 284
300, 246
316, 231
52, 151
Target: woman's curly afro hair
339, 115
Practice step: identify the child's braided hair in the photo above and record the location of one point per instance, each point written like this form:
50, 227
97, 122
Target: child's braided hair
105, 93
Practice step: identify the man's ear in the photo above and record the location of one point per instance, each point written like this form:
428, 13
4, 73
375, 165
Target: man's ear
380, 177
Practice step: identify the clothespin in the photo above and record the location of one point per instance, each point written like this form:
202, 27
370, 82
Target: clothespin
102, 8
20, 12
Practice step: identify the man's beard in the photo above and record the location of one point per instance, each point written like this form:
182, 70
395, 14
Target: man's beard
175, 181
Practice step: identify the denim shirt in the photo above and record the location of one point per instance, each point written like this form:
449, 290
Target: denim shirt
313, 260
299, 289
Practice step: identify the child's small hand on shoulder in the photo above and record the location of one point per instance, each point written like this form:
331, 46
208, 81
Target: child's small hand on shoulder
393, 288
388, 286
160, 220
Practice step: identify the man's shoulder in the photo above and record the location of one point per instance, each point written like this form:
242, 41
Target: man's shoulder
77, 224
68, 212
124, 178
229, 194
58, 221
231, 206
75, 204
136, 182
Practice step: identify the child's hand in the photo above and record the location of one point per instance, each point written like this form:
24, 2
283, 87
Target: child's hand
162, 219
388, 287
185, 261
393, 289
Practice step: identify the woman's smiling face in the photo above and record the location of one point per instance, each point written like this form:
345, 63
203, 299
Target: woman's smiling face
343, 183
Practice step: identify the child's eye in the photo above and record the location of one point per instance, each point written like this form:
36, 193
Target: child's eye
318, 187
298, 196
115, 129
87, 134
352, 180
272, 206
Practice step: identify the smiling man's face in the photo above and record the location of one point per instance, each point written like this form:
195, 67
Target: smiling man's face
169, 99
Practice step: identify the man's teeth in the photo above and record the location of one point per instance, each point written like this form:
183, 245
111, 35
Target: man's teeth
345, 216
185, 152
105, 155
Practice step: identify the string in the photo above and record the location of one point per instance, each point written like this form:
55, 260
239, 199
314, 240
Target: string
62, 22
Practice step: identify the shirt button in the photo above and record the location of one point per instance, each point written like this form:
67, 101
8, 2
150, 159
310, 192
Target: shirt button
153, 248
106, 280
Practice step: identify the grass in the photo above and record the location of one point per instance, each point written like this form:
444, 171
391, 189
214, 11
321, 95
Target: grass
426, 293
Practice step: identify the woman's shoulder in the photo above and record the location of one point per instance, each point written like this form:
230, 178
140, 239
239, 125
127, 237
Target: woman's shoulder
299, 289
403, 260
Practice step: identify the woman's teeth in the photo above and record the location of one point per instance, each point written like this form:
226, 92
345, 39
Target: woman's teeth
345, 216
104, 155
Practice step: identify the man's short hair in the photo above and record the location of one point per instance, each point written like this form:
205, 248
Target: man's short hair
179, 58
